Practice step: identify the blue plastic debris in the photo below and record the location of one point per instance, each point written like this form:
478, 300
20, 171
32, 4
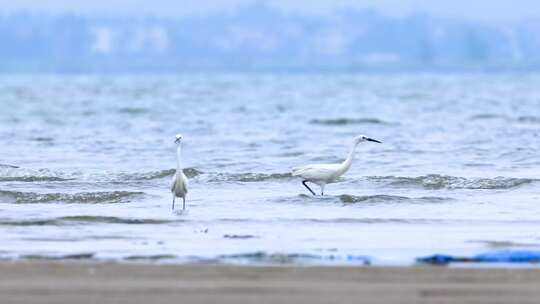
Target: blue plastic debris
502, 256
510, 256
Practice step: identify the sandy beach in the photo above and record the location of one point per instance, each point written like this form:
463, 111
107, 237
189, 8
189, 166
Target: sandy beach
88, 282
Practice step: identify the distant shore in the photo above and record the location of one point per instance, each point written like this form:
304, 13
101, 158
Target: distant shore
90, 282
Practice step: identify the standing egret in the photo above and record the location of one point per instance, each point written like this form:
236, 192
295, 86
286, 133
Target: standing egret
179, 181
322, 174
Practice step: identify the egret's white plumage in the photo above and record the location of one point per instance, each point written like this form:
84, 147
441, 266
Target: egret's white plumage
179, 185
322, 174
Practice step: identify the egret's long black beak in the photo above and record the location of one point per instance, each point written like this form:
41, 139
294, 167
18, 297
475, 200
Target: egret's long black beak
373, 140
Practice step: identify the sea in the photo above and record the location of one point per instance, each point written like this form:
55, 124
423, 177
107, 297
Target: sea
86, 163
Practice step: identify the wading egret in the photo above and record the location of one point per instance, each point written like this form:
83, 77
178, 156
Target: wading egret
179, 181
322, 174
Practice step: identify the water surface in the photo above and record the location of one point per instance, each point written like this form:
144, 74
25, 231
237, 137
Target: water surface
86, 164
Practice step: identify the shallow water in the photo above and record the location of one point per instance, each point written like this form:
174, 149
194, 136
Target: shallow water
86, 163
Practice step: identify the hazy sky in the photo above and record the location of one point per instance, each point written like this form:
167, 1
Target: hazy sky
496, 10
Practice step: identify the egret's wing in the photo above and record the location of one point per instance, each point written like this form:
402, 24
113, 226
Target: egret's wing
317, 171
184, 182
173, 182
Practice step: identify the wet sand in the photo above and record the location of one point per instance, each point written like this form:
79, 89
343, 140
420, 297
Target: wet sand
81, 282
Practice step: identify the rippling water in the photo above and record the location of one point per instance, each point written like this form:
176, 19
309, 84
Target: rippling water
86, 162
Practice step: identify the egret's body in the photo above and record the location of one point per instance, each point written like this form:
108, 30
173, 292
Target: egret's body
323, 174
179, 186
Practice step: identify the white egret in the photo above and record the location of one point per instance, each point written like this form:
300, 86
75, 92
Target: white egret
179, 181
322, 174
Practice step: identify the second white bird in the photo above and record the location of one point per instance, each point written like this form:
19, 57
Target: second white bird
322, 174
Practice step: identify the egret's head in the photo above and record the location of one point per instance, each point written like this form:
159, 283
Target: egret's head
178, 138
361, 138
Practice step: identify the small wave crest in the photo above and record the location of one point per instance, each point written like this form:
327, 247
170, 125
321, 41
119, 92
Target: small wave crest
2, 166
487, 116
110, 220
17, 197
436, 181
348, 121
529, 119
133, 110
381, 198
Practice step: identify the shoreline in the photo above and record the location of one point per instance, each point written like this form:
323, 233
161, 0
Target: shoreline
97, 282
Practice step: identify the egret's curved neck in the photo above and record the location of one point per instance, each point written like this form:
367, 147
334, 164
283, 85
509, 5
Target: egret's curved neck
348, 161
179, 157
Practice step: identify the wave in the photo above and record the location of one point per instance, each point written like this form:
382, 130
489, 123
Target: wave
83, 219
239, 236
520, 119
351, 199
17, 197
154, 257
529, 119
189, 172
133, 110
74, 256
436, 181
261, 257
45, 175
110, 220
16, 174
8, 166
413, 221
258, 257
33, 179
348, 121
43, 139
487, 116
249, 177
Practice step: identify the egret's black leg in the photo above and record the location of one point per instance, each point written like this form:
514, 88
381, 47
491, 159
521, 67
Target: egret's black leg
305, 185
173, 198
184, 203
